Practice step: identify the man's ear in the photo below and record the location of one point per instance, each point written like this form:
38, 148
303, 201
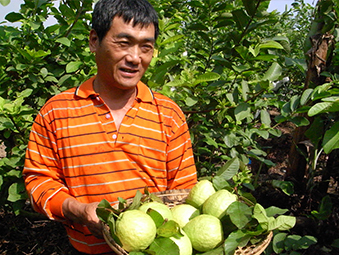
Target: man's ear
93, 40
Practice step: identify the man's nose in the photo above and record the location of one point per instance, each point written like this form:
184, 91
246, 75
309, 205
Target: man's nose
134, 55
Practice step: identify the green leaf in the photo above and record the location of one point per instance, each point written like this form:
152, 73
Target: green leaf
228, 170
319, 108
136, 201
64, 41
265, 118
273, 210
244, 90
278, 242
325, 209
211, 141
286, 109
241, 68
171, 39
12, 162
259, 214
240, 214
164, 246
43, 72
189, 101
25, 93
331, 138
64, 78
168, 229
286, 186
306, 241
39, 53
295, 101
103, 211
220, 183
232, 241
14, 17
321, 92
156, 216
270, 45
242, 111
112, 226
284, 41
263, 133
211, 76
314, 130
300, 121
5, 2
175, 83
72, 67
296, 242
283, 222
66, 11
16, 192
273, 73
305, 97
249, 6
275, 132
241, 18
217, 251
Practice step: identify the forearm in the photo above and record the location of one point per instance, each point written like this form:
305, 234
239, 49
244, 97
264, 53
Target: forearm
73, 210
46, 195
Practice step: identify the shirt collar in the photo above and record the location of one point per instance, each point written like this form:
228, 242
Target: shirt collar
86, 90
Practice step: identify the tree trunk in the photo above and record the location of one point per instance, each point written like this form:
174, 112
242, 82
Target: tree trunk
318, 59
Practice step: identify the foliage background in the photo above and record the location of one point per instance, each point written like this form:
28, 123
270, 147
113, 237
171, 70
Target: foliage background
229, 64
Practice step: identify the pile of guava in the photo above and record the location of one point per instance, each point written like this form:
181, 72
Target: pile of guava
212, 221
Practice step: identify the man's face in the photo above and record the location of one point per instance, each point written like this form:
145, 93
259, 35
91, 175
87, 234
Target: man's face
124, 54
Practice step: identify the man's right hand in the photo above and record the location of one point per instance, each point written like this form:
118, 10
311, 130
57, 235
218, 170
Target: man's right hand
84, 214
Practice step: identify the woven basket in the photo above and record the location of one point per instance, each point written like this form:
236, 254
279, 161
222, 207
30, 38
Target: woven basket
175, 197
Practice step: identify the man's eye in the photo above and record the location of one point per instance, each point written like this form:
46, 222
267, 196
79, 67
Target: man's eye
147, 47
123, 43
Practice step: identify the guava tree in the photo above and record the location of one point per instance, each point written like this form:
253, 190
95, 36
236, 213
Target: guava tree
237, 71
215, 58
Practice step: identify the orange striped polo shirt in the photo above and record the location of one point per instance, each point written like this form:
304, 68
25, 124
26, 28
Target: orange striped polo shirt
76, 151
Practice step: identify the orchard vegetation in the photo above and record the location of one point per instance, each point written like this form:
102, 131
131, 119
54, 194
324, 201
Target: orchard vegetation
239, 73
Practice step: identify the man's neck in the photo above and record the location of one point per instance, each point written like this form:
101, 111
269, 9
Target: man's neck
114, 97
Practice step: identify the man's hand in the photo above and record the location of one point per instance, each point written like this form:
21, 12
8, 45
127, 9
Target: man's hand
84, 214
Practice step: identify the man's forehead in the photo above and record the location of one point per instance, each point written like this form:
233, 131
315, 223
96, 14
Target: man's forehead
129, 29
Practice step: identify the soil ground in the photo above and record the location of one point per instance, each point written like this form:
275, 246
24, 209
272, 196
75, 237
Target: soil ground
28, 235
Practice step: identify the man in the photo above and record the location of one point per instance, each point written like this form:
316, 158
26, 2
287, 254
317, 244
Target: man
112, 135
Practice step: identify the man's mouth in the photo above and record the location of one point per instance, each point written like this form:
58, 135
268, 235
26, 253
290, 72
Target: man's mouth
127, 70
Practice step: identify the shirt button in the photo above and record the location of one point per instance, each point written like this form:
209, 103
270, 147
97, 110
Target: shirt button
108, 116
114, 136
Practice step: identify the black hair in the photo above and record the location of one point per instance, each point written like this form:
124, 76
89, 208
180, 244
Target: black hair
140, 11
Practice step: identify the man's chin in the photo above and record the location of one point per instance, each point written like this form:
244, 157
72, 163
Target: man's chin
129, 85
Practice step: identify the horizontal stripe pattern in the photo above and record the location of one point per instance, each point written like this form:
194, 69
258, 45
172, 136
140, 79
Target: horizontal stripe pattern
75, 150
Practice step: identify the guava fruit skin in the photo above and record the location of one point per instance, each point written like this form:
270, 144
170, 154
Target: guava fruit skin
205, 232
135, 229
199, 193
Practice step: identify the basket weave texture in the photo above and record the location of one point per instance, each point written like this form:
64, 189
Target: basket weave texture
172, 198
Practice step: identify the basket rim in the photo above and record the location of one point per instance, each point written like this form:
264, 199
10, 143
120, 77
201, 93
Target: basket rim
246, 250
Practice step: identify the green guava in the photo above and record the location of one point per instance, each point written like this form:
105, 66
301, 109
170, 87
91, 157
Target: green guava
205, 232
183, 213
135, 229
184, 244
162, 209
217, 203
199, 193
